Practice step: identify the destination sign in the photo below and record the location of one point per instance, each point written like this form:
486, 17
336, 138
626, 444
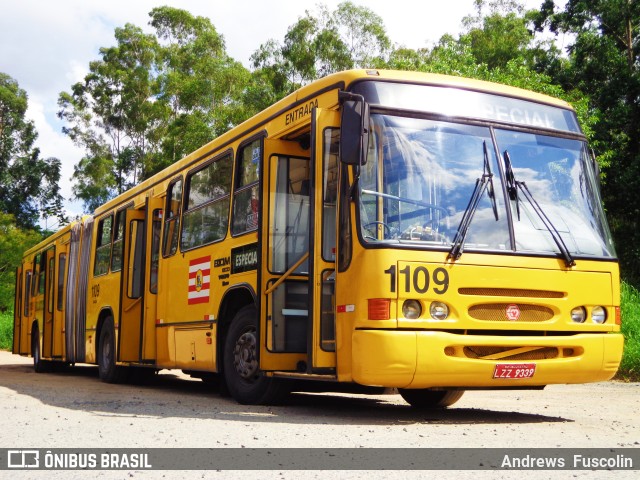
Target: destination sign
455, 102
244, 258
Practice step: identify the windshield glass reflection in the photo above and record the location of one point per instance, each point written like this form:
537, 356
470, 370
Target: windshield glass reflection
421, 176
418, 180
559, 174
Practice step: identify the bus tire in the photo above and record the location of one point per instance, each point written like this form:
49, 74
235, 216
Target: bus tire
39, 365
246, 382
108, 371
426, 398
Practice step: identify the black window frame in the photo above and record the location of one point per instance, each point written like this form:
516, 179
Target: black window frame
169, 217
100, 247
120, 219
189, 210
241, 189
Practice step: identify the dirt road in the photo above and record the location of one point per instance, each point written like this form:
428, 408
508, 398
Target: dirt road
74, 409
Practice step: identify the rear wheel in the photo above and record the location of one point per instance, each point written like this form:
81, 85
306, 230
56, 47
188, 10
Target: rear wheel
39, 365
427, 398
246, 382
107, 369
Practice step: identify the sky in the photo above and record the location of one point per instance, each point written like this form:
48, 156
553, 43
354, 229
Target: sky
46, 46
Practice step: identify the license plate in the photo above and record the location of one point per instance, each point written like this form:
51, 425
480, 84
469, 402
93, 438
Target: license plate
514, 370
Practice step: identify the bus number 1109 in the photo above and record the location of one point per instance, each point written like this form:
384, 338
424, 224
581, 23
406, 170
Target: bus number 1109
418, 279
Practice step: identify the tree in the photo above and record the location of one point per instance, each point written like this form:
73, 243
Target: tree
199, 87
13, 243
503, 30
498, 45
110, 115
28, 183
604, 62
320, 44
150, 100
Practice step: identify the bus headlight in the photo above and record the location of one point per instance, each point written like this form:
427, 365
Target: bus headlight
599, 314
439, 311
411, 309
579, 314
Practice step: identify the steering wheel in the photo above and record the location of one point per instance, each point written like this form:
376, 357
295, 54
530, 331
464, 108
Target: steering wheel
387, 229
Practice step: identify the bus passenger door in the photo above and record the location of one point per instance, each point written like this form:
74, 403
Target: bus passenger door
59, 301
132, 287
26, 315
321, 339
47, 314
152, 268
17, 311
284, 275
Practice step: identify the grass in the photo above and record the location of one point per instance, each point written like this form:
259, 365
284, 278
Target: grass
629, 368
6, 330
630, 305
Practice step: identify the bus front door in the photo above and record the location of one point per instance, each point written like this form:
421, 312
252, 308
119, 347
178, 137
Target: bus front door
321, 338
298, 278
285, 256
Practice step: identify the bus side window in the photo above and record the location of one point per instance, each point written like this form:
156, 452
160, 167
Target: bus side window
206, 216
27, 292
245, 200
50, 285
118, 241
62, 265
103, 246
42, 273
172, 218
156, 225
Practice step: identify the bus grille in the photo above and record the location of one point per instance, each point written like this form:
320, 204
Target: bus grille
510, 292
497, 312
480, 352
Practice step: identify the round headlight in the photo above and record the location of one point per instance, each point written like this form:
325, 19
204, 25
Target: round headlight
411, 309
599, 314
579, 314
439, 311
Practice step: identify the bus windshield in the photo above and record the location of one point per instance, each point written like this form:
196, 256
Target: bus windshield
421, 175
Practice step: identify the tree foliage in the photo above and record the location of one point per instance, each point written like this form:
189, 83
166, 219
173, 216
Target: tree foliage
150, 100
604, 63
28, 183
322, 43
13, 242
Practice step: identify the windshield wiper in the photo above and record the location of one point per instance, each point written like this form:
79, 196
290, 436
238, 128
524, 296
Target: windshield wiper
485, 182
513, 186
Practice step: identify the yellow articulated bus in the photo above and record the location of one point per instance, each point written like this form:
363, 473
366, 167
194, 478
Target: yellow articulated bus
422, 232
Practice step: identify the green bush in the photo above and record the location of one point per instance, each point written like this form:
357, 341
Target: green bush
6, 330
630, 305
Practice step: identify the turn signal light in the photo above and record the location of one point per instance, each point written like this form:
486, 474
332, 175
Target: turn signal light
379, 309
618, 316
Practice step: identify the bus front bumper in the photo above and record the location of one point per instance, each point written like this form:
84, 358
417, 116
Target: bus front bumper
426, 359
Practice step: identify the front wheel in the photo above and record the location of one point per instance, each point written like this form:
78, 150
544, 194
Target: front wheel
246, 382
427, 399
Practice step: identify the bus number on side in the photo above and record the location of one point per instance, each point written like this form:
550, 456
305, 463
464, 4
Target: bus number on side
418, 279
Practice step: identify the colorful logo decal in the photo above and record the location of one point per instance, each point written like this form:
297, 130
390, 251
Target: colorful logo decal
199, 280
513, 312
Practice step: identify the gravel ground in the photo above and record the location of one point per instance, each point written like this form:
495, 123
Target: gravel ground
74, 409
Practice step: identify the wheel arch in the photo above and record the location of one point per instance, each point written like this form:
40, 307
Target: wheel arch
234, 299
105, 313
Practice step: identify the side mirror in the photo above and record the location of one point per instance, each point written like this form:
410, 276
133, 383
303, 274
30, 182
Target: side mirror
354, 133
